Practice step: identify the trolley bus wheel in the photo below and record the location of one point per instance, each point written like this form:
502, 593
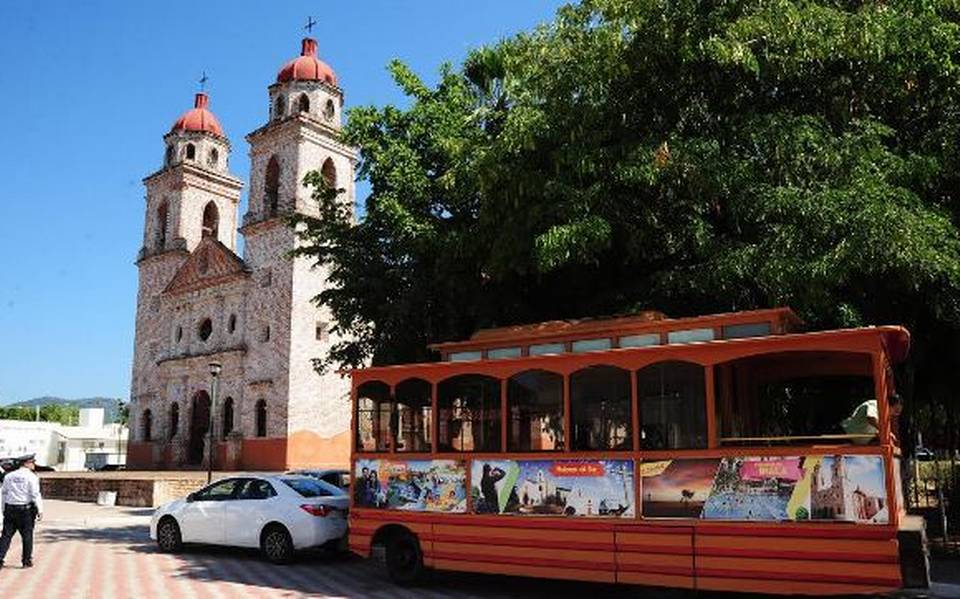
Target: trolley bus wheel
404, 559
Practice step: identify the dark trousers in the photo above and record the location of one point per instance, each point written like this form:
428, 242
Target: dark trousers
18, 519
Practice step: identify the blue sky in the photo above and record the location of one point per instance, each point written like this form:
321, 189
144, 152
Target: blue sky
88, 90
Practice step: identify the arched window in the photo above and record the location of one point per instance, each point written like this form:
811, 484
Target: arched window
329, 110
178, 334
168, 156
162, 225
329, 173
411, 423
205, 329
271, 187
191, 152
600, 410
227, 417
468, 407
262, 418
535, 411
279, 106
673, 407
174, 419
373, 416
303, 104
147, 422
213, 158
232, 324
211, 220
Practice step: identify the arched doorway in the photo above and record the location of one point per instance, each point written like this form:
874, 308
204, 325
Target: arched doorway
199, 423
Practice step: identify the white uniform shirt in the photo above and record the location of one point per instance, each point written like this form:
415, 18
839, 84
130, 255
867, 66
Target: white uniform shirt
21, 487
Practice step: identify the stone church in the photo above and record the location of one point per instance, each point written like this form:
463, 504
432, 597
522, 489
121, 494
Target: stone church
199, 301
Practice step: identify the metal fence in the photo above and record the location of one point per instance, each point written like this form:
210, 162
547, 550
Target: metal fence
933, 491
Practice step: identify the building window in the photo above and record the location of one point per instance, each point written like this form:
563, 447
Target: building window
329, 173
303, 104
232, 323
147, 425
469, 413
329, 110
191, 152
600, 409
374, 409
227, 417
262, 418
162, 225
321, 331
211, 220
546, 349
279, 106
271, 186
174, 419
205, 329
535, 408
213, 158
265, 333
411, 423
178, 334
672, 406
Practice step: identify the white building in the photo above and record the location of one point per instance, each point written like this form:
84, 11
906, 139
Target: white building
87, 446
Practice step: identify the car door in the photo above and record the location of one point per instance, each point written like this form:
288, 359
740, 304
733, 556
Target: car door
251, 508
202, 517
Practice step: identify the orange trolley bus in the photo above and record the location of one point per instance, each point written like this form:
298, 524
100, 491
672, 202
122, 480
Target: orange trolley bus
724, 452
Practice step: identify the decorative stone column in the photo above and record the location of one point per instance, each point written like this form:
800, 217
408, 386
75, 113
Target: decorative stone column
234, 450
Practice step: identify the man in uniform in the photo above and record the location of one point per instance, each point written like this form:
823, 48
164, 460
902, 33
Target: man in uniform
22, 507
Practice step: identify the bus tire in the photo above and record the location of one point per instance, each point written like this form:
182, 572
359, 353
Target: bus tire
404, 559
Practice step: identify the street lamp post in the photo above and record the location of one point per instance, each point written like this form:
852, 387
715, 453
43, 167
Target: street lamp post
215, 368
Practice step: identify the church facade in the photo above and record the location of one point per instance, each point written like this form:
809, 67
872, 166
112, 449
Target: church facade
200, 302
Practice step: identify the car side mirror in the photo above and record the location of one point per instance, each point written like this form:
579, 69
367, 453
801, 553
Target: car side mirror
191, 497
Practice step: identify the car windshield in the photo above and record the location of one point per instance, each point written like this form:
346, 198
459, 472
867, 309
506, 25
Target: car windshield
311, 487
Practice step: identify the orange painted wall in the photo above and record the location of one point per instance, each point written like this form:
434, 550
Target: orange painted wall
264, 454
307, 449
140, 455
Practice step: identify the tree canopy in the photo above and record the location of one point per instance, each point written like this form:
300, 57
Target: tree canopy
687, 156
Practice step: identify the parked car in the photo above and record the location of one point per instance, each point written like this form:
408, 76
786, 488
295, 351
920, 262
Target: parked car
279, 514
337, 478
7, 465
922, 454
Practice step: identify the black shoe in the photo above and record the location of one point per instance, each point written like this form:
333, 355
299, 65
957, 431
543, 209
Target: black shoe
27, 564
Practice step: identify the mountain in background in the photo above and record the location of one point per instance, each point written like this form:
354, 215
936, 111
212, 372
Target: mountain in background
109, 404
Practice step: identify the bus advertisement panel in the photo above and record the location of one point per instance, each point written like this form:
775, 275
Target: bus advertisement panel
837, 487
571, 487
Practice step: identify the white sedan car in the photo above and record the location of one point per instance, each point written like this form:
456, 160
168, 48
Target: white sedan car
278, 514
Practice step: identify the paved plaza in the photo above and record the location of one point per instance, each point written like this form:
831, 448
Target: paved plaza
87, 551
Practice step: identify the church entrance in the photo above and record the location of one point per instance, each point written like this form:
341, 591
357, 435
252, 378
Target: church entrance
199, 423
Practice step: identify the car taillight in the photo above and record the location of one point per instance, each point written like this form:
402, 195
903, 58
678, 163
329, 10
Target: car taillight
316, 510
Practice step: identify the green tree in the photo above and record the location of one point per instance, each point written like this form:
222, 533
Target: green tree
685, 156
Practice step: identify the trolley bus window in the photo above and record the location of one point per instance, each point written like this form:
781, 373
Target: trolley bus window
413, 416
792, 397
468, 410
600, 409
535, 404
673, 404
373, 416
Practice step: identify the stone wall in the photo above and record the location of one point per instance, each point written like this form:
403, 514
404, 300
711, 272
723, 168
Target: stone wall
135, 492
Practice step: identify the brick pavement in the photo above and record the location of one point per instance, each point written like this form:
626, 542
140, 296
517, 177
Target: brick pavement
85, 551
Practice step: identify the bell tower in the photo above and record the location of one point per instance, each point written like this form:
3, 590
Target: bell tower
301, 134
191, 197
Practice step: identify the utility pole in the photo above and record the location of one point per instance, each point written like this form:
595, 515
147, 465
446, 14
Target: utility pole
215, 368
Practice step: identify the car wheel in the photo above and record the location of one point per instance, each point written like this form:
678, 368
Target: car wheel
276, 545
404, 559
169, 539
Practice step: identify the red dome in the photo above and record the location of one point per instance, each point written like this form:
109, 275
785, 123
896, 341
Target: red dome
307, 67
198, 118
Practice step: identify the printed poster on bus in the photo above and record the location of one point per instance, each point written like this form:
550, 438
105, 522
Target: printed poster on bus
575, 487
849, 488
412, 485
